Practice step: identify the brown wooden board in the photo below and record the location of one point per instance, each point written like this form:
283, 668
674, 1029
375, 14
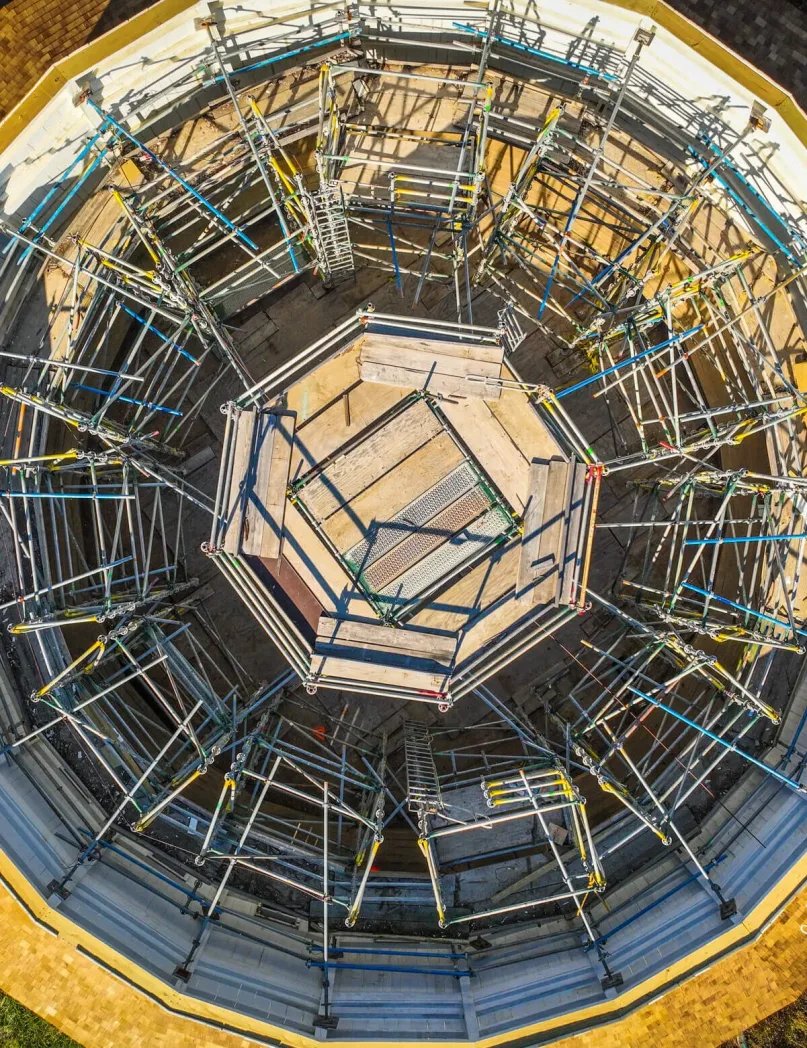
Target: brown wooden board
474, 591
385, 347
322, 435
531, 537
370, 652
440, 367
518, 418
363, 464
550, 545
318, 568
389, 494
575, 535
378, 673
492, 447
299, 593
266, 497
376, 638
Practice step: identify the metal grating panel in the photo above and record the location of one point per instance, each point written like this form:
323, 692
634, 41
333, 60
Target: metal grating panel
446, 558
433, 534
382, 537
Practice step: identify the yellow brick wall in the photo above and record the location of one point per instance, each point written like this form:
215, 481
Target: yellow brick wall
47, 973
36, 33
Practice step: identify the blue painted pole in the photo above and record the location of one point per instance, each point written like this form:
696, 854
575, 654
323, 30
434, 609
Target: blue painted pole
740, 607
159, 334
397, 953
739, 541
287, 54
394, 255
653, 904
177, 178
128, 400
387, 968
717, 738
588, 70
55, 189
628, 360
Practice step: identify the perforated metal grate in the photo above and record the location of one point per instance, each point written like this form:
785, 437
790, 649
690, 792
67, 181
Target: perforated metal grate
446, 558
382, 537
433, 534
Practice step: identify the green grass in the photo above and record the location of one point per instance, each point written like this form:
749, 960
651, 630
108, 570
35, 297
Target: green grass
785, 1029
20, 1028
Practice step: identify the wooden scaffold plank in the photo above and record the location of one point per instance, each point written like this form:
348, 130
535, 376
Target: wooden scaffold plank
370, 652
266, 497
245, 430
429, 364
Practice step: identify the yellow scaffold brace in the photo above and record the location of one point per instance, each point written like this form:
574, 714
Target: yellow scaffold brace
63, 456
88, 660
175, 787
423, 844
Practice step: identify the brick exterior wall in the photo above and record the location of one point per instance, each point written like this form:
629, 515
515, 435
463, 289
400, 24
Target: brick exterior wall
50, 976
36, 33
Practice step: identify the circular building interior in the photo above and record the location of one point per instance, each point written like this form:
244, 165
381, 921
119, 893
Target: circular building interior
403, 514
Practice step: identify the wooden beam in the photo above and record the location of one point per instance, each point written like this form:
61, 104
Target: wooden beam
472, 593
389, 494
266, 496
440, 367
245, 429
531, 537
575, 535
491, 446
367, 651
424, 644
376, 673
326, 432
357, 468
550, 542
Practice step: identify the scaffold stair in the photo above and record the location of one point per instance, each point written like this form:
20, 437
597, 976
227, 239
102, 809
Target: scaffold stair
331, 234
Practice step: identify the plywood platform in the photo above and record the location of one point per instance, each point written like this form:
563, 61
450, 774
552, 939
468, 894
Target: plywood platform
473, 592
355, 469
404, 505
388, 495
400, 507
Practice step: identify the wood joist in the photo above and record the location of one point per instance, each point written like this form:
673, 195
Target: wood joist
447, 368
261, 462
557, 531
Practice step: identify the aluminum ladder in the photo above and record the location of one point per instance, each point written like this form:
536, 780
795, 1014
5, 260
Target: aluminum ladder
331, 234
422, 784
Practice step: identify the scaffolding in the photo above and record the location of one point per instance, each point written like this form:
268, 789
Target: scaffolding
637, 310
412, 190
535, 789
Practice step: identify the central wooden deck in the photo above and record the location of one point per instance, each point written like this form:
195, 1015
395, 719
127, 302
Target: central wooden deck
403, 483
